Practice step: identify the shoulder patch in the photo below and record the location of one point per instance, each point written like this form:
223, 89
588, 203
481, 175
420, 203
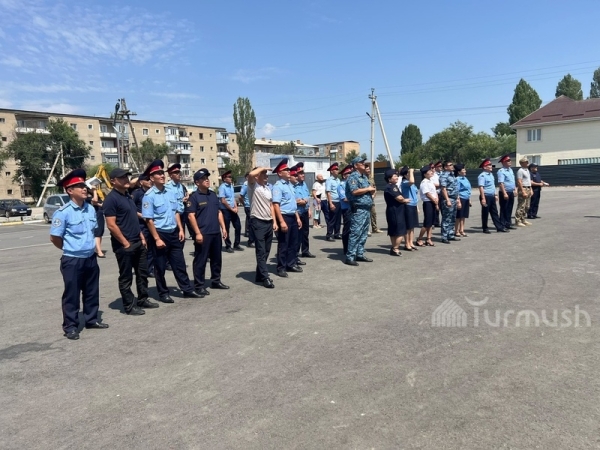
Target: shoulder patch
56, 222
146, 205
189, 204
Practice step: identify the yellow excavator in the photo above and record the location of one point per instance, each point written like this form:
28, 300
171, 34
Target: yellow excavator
101, 177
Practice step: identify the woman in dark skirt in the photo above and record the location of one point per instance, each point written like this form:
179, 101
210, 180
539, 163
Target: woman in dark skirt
410, 192
464, 196
429, 197
394, 211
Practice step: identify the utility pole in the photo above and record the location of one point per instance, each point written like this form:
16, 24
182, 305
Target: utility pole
58, 156
375, 111
123, 115
62, 161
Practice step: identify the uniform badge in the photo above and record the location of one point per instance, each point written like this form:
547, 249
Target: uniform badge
189, 204
56, 223
146, 205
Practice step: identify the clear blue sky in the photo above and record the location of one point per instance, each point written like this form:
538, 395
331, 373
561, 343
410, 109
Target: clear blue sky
306, 66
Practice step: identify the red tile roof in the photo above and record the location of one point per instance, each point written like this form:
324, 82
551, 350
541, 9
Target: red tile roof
560, 110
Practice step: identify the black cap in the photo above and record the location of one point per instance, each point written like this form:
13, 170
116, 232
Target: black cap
425, 169
224, 174
404, 171
201, 174
390, 173
532, 165
118, 173
459, 167
143, 177
74, 177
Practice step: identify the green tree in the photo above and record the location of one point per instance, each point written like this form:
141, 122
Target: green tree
410, 139
289, 148
3, 155
353, 154
595, 85
569, 87
381, 158
245, 126
237, 169
525, 101
502, 129
149, 151
35, 153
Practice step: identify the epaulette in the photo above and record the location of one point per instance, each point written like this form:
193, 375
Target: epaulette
63, 207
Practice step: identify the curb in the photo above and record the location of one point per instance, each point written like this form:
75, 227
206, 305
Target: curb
15, 223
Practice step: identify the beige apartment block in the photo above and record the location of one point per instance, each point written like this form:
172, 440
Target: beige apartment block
192, 146
337, 151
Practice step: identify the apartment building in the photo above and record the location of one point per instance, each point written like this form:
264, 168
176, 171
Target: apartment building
264, 145
192, 146
337, 151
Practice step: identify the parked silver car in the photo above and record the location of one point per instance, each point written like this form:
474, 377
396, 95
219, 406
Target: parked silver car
53, 203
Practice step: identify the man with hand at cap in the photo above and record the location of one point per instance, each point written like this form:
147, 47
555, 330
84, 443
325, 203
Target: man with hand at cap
207, 223
284, 205
229, 209
263, 222
334, 220
128, 243
359, 193
72, 231
524, 193
488, 198
303, 205
536, 186
181, 192
161, 210
506, 191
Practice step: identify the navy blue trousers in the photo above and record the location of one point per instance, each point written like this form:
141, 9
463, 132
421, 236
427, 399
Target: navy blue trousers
232, 219
334, 222
173, 253
506, 208
302, 242
151, 250
211, 248
81, 277
286, 243
347, 216
490, 210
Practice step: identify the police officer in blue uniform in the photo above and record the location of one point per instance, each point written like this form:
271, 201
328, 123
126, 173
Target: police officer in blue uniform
334, 220
248, 231
506, 191
138, 196
284, 205
303, 205
229, 209
488, 198
293, 181
161, 210
128, 243
207, 223
359, 193
72, 231
449, 201
345, 207
181, 192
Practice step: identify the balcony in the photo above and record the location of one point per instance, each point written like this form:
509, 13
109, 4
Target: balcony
221, 163
223, 140
171, 138
109, 150
184, 139
104, 134
179, 151
222, 154
31, 130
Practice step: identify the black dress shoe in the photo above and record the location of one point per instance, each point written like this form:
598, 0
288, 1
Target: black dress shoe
73, 335
166, 299
455, 239
145, 303
192, 294
445, 241
308, 255
97, 326
349, 262
203, 291
238, 248
338, 236
151, 275
136, 311
300, 263
282, 273
510, 227
268, 283
536, 217
503, 230
250, 245
487, 232
363, 259
169, 267
295, 269
229, 250
330, 239
218, 285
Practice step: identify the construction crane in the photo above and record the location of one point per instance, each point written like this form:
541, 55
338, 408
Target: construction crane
100, 177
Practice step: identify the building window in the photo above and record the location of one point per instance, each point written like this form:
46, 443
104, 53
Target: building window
190, 134
201, 135
232, 151
4, 138
319, 165
534, 135
202, 161
145, 131
201, 148
9, 191
92, 157
90, 126
7, 174
108, 144
103, 129
91, 142
157, 131
2, 120
192, 159
233, 140
74, 126
27, 192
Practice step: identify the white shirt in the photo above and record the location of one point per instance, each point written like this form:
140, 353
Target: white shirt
427, 187
319, 188
524, 176
435, 179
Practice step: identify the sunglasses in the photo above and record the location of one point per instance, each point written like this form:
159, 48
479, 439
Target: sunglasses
79, 185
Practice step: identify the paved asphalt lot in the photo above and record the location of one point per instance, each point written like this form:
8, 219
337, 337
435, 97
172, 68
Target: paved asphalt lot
335, 357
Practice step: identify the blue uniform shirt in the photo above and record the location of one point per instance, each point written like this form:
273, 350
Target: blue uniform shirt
486, 180
331, 185
76, 227
283, 193
464, 188
448, 181
507, 176
161, 206
244, 192
206, 209
357, 181
179, 190
342, 194
301, 191
410, 191
226, 191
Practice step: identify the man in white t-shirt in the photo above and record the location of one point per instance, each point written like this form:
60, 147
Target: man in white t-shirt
524, 192
435, 179
318, 194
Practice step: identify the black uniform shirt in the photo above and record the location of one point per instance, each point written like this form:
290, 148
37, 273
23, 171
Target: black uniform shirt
538, 179
206, 209
122, 207
138, 196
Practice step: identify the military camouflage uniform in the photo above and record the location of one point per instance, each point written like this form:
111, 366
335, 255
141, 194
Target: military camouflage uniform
448, 181
360, 206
